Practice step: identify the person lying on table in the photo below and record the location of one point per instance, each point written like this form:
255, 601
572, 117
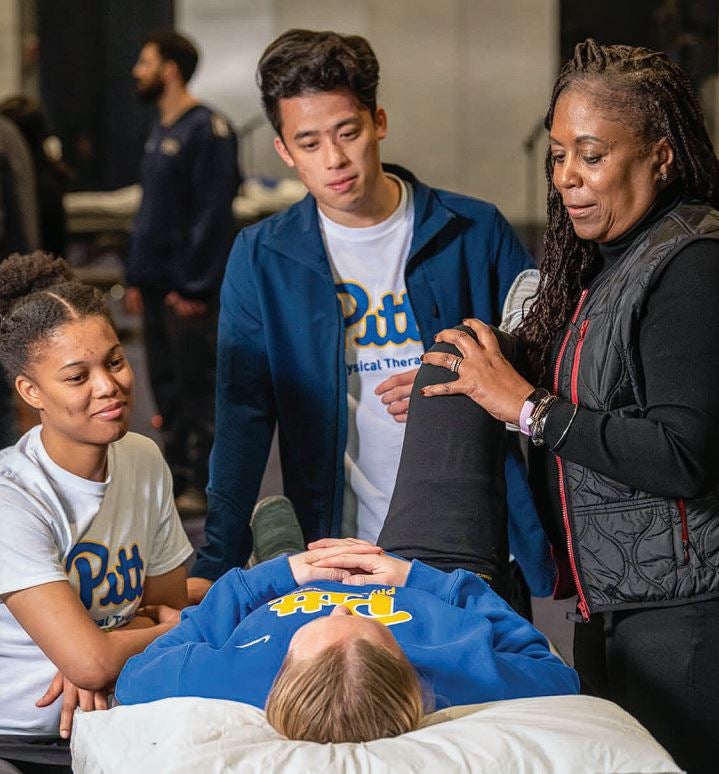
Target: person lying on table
344, 643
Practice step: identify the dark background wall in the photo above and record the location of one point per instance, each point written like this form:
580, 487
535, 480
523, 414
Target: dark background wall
87, 50
685, 29
88, 47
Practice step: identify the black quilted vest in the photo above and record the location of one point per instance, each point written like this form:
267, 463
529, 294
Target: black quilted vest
628, 548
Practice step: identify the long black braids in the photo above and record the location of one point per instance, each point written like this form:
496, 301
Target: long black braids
647, 92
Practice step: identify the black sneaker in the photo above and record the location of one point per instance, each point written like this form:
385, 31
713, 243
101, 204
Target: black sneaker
275, 529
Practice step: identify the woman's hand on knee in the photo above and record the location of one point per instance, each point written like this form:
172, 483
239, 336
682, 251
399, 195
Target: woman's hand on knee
484, 374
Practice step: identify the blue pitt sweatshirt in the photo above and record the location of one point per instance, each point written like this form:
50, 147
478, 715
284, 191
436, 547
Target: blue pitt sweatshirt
467, 645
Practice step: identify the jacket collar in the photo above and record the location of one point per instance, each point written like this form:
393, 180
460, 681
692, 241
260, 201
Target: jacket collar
297, 234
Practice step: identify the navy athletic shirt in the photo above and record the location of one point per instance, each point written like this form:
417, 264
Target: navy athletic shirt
183, 231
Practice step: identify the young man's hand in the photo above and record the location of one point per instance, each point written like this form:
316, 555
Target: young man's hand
394, 393
306, 567
369, 568
161, 614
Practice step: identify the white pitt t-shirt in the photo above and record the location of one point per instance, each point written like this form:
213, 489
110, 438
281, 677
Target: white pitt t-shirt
381, 340
104, 537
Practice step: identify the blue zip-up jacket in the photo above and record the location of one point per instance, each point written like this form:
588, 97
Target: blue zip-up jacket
467, 644
281, 360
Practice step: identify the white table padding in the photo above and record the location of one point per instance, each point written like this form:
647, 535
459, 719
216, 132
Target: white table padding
559, 734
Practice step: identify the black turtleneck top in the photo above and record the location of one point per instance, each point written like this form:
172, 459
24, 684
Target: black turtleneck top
673, 450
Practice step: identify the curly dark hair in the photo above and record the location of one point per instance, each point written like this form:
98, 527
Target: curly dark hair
37, 296
307, 62
647, 92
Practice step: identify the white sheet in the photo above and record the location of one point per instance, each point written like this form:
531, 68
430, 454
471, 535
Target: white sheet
560, 734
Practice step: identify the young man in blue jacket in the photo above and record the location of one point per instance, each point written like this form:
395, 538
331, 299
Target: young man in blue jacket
327, 307
336, 657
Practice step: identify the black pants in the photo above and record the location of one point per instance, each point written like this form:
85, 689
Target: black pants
35, 754
661, 666
449, 506
181, 364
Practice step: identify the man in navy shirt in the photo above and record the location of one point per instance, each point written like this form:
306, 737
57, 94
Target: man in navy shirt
181, 237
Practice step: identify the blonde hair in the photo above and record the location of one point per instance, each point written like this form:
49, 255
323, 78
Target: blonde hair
352, 692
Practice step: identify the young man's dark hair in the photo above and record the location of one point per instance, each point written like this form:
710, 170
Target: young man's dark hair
175, 48
306, 62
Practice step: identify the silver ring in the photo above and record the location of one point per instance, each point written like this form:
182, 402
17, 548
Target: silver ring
454, 368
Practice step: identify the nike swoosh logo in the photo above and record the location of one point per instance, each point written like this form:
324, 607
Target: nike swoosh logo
264, 638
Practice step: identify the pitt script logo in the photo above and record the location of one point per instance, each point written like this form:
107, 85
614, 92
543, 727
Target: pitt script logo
377, 604
392, 322
120, 583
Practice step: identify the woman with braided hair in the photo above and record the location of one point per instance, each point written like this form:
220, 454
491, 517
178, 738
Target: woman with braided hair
619, 389
89, 527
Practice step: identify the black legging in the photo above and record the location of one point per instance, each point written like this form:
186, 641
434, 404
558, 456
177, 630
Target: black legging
659, 664
449, 502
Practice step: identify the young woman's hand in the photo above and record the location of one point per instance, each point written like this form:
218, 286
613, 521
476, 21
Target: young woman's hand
160, 614
197, 589
369, 568
72, 697
485, 375
306, 566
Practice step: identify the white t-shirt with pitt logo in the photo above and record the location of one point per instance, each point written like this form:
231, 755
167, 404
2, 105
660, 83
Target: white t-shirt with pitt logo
104, 537
381, 340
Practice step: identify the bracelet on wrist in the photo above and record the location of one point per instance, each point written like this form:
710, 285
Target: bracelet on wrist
529, 407
539, 417
563, 436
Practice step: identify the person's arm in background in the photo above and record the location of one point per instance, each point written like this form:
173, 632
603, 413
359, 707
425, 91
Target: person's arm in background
213, 183
244, 425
